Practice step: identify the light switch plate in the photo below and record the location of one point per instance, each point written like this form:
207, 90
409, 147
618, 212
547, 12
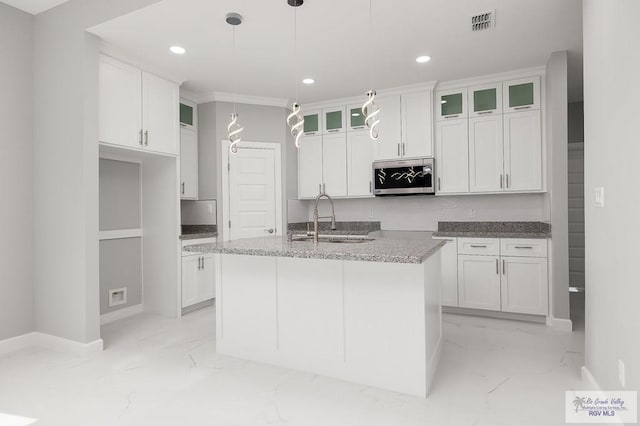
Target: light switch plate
598, 196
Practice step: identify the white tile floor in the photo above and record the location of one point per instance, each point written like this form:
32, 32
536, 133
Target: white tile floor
158, 371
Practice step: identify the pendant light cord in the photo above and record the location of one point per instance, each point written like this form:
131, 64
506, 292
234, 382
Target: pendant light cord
371, 44
233, 74
295, 47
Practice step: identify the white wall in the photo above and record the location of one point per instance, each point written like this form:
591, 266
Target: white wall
612, 147
65, 222
557, 133
424, 212
16, 171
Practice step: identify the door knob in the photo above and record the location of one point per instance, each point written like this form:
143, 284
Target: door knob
270, 230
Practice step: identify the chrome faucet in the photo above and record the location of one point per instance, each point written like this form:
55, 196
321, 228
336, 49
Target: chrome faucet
316, 217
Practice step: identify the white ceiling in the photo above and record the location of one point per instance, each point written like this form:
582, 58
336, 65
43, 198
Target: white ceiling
333, 46
34, 6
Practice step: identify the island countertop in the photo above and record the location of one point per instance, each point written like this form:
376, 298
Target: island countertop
392, 250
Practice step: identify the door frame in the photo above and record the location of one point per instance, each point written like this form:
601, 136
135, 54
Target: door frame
224, 162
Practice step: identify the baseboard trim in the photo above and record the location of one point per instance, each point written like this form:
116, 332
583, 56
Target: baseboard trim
120, 314
51, 342
560, 324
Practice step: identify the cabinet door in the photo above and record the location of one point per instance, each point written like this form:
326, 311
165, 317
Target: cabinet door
359, 164
523, 151
390, 129
189, 282
334, 120
525, 287
452, 156
449, 272
416, 124
312, 123
522, 94
334, 164
206, 279
479, 282
485, 100
309, 166
188, 164
120, 103
486, 154
160, 114
355, 118
451, 104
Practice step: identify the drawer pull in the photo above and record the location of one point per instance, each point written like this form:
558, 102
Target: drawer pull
497, 267
522, 107
504, 268
523, 247
478, 246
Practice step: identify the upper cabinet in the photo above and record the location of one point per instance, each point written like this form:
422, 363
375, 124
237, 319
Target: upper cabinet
388, 145
188, 164
451, 104
521, 95
485, 100
312, 123
188, 115
137, 109
355, 118
334, 120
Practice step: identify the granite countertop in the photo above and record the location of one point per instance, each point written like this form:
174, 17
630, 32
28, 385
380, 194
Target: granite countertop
494, 230
392, 250
194, 232
342, 228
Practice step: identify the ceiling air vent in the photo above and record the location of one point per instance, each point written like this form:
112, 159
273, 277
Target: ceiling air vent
483, 21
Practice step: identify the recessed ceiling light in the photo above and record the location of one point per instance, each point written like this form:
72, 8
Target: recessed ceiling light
178, 50
308, 81
423, 59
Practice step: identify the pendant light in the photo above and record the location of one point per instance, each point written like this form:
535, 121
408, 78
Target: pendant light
234, 128
370, 110
295, 120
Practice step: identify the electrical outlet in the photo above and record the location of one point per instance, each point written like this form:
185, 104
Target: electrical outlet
622, 376
473, 213
599, 196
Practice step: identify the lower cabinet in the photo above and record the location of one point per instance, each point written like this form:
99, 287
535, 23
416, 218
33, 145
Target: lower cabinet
479, 282
524, 287
198, 279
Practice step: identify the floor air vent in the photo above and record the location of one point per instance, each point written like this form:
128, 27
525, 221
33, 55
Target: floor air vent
483, 21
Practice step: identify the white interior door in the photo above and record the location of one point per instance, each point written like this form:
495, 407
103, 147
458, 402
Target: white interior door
252, 193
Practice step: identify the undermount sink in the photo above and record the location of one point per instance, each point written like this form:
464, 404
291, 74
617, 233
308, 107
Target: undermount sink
344, 239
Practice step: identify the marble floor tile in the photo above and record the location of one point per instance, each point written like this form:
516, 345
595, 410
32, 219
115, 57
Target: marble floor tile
160, 371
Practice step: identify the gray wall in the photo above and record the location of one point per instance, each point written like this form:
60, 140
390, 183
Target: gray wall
197, 212
576, 122
611, 151
120, 198
120, 266
16, 173
261, 124
557, 180
65, 161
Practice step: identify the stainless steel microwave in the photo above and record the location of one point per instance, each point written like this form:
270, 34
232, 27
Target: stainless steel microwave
404, 177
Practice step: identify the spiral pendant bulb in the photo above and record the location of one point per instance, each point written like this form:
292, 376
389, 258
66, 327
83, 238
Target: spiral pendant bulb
295, 121
234, 129
370, 110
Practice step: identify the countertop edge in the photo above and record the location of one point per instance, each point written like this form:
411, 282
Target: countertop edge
198, 236
462, 234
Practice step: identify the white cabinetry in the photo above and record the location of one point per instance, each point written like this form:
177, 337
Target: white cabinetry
309, 166
137, 109
388, 145
523, 151
359, 164
486, 154
479, 282
452, 156
334, 164
449, 270
198, 279
333, 120
188, 164
524, 286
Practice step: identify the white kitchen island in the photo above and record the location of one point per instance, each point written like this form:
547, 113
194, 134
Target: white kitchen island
363, 312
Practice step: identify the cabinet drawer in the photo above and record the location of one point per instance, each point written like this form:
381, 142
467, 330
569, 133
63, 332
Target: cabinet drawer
522, 247
479, 246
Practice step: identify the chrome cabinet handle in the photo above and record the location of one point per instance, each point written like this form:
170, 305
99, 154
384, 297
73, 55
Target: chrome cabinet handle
140, 137
439, 186
523, 247
478, 246
504, 268
500, 181
523, 107
324, 187
507, 177
484, 112
203, 263
404, 149
370, 185
333, 130
146, 138
497, 267
398, 150
182, 188
451, 116
319, 187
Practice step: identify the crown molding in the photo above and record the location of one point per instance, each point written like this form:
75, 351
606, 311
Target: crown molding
240, 99
492, 78
188, 95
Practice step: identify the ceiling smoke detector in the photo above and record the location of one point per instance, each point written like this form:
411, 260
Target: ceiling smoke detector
483, 21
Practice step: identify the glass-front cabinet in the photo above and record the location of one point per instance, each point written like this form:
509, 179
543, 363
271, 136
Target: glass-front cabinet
521, 95
451, 104
186, 115
485, 100
312, 122
355, 118
334, 120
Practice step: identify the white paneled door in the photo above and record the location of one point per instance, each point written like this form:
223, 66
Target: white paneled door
253, 176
